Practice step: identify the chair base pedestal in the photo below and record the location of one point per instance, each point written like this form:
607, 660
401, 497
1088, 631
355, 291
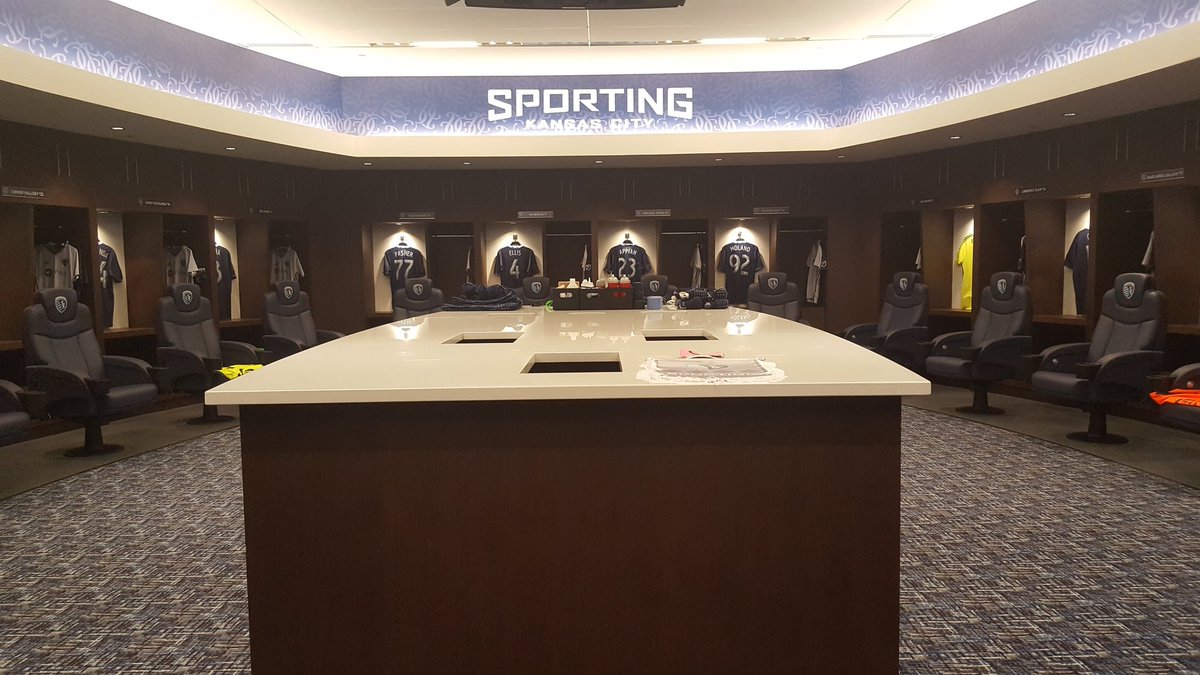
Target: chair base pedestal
93, 442
979, 405
1097, 429
210, 416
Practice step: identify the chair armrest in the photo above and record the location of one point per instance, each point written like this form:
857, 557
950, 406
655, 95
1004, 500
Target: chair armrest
34, 403
1087, 370
123, 370
179, 362
969, 352
1186, 377
9, 396
906, 339
950, 344
98, 386
861, 333
282, 346
1062, 358
324, 336
58, 385
1005, 351
239, 353
1128, 369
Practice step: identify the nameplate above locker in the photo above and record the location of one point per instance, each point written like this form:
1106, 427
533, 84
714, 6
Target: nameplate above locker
1030, 190
535, 214
652, 213
772, 210
262, 212
1165, 174
415, 215
24, 193
161, 203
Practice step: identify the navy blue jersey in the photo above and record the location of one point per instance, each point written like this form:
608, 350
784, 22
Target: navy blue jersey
110, 273
740, 261
628, 260
1077, 260
400, 263
513, 264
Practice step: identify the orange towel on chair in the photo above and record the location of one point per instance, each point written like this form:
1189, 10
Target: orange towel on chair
1178, 396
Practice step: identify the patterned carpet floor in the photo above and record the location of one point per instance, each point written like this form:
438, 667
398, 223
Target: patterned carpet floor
1018, 555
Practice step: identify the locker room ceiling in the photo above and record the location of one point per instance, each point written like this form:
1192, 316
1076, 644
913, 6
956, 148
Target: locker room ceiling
375, 37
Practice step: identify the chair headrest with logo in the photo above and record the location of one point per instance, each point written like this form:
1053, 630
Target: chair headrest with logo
418, 289
904, 282
61, 304
772, 283
1130, 288
186, 296
288, 292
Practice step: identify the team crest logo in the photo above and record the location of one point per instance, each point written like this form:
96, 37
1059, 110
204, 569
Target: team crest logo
418, 289
654, 286
773, 283
60, 303
187, 297
536, 287
1002, 286
288, 292
903, 283
1128, 289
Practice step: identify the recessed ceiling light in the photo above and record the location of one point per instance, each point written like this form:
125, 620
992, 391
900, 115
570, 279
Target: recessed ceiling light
368, 163
719, 159
466, 164
841, 157
446, 44
733, 41
1069, 114
956, 138
669, 41
599, 161
118, 128
231, 148
508, 42
492, 42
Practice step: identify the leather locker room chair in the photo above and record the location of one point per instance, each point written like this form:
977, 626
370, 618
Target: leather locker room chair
80, 383
190, 349
1126, 348
773, 294
900, 330
1177, 414
656, 284
289, 322
994, 347
416, 298
534, 291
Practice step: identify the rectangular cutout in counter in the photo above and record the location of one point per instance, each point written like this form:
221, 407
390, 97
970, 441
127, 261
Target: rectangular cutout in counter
574, 363
667, 335
483, 338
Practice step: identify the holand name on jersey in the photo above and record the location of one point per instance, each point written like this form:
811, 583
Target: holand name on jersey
674, 102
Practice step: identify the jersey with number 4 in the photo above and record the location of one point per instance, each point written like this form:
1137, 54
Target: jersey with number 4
402, 262
627, 260
513, 264
739, 261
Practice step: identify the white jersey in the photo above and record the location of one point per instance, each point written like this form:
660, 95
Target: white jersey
56, 269
179, 266
285, 265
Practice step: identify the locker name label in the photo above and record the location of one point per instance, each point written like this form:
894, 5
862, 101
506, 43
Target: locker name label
772, 210
535, 214
652, 213
1165, 174
415, 215
27, 193
155, 202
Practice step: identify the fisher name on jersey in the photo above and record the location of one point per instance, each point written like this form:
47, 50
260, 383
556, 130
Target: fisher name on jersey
402, 262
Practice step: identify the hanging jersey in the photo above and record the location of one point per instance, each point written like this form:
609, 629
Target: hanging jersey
285, 265
57, 266
225, 272
628, 260
816, 265
1077, 261
697, 267
740, 261
966, 260
513, 264
180, 265
400, 263
110, 273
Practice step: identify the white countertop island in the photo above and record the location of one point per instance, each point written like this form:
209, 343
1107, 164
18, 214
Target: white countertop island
427, 359
417, 500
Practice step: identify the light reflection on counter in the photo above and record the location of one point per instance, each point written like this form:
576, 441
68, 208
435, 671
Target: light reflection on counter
407, 329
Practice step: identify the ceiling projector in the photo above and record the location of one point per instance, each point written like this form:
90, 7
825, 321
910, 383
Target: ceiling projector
571, 4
